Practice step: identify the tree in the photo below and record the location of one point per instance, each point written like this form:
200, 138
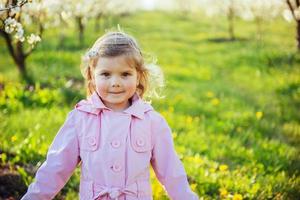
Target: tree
294, 7
261, 11
12, 31
81, 11
100, 12
230, 8
185, 7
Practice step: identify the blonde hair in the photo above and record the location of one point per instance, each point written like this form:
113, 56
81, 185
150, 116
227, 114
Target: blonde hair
119, 43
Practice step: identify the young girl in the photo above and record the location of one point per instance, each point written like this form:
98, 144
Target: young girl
114, 134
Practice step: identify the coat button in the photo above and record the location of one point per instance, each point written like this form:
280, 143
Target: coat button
92, 141
115, 143
116, 167
140, 142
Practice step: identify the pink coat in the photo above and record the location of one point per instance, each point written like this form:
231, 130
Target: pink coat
115, 150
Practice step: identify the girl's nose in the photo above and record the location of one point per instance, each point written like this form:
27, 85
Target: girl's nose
115, 82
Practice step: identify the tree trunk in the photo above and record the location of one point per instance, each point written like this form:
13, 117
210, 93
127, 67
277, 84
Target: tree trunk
298, 35
21, 63
230, 17
97, 22
259, 29
80, 27
17, 53
61, 40
41, 29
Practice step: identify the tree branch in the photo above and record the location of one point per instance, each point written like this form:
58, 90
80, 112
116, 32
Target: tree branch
41, 31
14, 6
291, 9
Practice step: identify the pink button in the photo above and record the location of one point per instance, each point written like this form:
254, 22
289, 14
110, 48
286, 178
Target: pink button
116, 167
115, 143
140, 142
92, 141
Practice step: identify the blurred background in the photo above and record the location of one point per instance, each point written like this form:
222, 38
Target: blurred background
232, 94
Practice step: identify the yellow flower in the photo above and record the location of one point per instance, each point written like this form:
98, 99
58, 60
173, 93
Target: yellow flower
210, 94
13, 138
193, 186
197, 159
171, 109
259, 114
164, 113
237, 197
223, 167
215, 101
1, 78
212, 170
174, 135
223, 192
189, 120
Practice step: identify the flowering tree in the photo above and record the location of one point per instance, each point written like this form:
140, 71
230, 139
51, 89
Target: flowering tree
261, 11
230, 8
117, 8
100, 12
294, 7
81, 11
12, 30
185, 6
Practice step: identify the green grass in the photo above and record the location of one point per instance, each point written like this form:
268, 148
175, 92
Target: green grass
229, 103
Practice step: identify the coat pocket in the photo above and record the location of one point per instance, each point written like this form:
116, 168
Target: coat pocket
89, 143
141, 141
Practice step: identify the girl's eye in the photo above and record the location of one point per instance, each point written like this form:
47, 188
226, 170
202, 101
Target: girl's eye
126, 74
104, 74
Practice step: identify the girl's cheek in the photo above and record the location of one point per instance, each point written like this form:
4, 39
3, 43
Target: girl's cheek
101, 85
101, 81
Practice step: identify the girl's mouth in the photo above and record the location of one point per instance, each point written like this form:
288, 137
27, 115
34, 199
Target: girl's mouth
115, 92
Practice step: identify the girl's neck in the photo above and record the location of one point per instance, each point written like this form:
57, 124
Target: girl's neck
117, 108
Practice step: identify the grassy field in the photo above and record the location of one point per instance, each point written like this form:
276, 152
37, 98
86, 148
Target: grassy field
233, 105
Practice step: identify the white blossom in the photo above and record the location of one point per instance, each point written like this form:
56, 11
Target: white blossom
14, 27
10, 25
33, 39
263, 9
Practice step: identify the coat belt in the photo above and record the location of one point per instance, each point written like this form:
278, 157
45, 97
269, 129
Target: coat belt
114, 192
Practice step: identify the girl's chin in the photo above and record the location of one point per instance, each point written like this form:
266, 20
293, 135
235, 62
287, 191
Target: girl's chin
116, 102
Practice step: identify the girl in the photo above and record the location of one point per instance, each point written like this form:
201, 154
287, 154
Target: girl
114, 134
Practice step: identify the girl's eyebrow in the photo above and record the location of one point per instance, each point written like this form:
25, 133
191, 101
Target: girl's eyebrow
107, 70
102, 70
129, 70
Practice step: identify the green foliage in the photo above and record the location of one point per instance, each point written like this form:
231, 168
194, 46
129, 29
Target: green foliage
233, 106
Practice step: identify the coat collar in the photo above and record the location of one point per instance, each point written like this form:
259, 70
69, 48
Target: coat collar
94, 105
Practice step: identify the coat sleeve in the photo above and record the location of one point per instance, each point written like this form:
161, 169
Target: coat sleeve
62, 159
166, 164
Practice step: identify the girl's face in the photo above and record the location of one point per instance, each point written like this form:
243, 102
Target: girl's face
115, 80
